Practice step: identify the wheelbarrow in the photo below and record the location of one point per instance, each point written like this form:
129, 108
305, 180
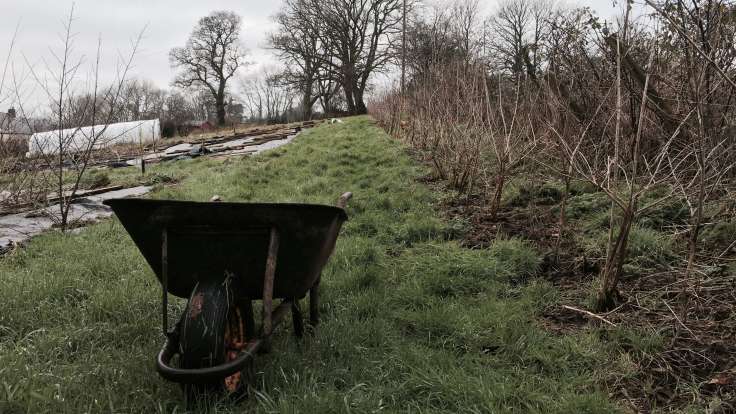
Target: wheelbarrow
222, 257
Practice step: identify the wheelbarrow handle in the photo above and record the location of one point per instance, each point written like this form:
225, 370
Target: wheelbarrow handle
342, 202
201, 375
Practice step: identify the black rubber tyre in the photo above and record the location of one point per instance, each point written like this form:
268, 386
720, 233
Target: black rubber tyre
209, 323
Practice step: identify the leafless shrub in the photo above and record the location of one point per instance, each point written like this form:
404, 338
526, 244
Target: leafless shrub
650, 136
388, 108
447, 121
633, 111
463, 122
512, 130
706, 162
71, 109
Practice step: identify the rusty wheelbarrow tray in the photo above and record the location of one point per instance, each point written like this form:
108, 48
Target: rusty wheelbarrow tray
222, 256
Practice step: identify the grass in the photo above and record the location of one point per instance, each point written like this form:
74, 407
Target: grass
412, 322
647, 249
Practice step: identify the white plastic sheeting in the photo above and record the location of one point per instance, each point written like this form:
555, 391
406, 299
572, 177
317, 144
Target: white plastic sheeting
17, 228
79, 139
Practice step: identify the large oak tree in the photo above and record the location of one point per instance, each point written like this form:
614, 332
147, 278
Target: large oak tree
211, 57
299, 47
351, 40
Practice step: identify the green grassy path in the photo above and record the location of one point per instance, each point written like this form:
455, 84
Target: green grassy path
411, 321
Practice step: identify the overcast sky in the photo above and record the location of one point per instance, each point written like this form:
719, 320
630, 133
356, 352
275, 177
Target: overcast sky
116, 22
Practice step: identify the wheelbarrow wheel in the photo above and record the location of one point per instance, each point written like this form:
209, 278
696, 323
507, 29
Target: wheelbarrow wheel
212, 333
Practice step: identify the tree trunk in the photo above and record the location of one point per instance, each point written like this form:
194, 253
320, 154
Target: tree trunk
693, 236
611, 273
221, 113
562, 218
696, 219
62, 202
496, 202
360, 108
348, 87
220, 105
307, 101
307, 106
349, 100
327, 104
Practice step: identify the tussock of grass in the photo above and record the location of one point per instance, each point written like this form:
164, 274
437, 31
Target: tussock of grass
524, 193
637, 340
648, 249
517, 256
411, 321
96, 179
582, 205
720, 235
670, 213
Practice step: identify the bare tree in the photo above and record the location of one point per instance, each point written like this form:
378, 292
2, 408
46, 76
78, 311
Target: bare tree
179, 108
517, 31
465, 18
357, 37
329, 95
8, 121
618, 166
299, 47
509, 26
99, 106
4, 96
433, 41
141, 99
266, 99
212, 56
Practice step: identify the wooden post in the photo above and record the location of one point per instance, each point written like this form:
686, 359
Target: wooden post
143, 166
273, 249
342, 202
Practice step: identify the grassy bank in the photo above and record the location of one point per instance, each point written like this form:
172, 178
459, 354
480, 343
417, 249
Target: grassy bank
411, 321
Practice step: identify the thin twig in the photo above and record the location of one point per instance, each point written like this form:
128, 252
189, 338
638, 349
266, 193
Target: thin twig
591, 314
678, 319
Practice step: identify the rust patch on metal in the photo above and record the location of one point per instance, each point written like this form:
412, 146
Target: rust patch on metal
196, 306
235, 342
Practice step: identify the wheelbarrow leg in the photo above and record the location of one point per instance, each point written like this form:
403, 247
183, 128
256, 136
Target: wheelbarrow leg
342, 203
314, 304
249, 319
296, 317
165, 281
267, 317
